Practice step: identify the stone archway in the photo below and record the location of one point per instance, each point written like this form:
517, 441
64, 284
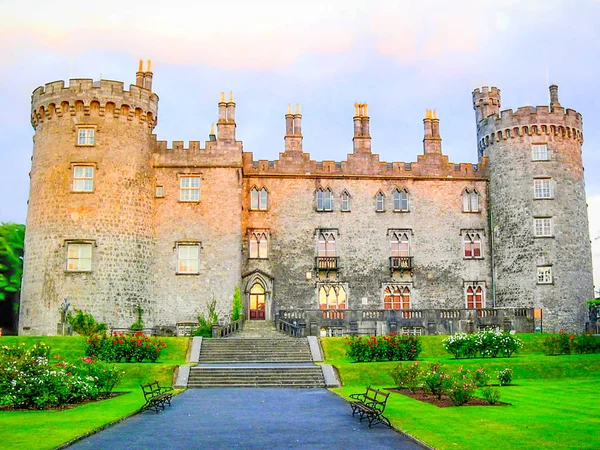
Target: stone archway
258, 304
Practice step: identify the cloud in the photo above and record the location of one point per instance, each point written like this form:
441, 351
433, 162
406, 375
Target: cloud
247, 34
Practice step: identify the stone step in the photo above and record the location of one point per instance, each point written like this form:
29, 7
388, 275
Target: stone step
253, 377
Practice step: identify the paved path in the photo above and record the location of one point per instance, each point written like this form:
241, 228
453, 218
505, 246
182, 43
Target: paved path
249, 419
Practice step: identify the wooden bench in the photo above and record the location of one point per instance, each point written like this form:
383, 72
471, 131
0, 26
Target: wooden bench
370, 405
156, 396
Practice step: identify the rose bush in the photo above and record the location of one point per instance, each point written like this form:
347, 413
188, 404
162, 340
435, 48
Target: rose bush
119, 347
393, 347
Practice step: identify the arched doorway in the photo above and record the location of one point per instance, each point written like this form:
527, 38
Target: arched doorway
257, 302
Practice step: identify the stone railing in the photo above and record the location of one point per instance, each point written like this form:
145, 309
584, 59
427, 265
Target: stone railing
430, 321
221, 331
291, 329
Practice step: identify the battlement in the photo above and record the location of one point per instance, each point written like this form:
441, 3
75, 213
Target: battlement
362, 165
215, 153
85, 97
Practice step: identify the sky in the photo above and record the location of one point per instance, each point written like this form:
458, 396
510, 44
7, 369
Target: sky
399, 56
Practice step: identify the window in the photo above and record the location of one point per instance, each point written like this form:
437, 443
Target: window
324, 200
542, 226
539, 152
345, 201
475, 297
189, 189
160, 191
542, 188
326, 251
380, 202
396, 297
400, 200
259, 199
400, 244
79, 257
258, 248
85, 136
544, 275
332, 296
188, 257
472, 245
326, 244
83, 179
470, 200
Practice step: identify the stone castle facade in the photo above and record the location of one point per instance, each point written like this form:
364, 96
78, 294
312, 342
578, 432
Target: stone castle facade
118, 219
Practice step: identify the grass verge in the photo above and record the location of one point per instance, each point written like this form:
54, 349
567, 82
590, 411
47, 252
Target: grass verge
49, 429
553, 399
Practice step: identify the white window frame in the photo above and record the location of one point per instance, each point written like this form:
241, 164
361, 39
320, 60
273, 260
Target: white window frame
345, 201
259, 199
539, 152
471, 201
79, 256
258, 244
474, 286
84, 181
543, 227
401, 200
380, 202
188, 192
159, 191
542, 188
188, 258
473, 238
544, 275
324, 200
86, 136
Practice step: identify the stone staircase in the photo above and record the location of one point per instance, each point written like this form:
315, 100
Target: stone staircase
257, 356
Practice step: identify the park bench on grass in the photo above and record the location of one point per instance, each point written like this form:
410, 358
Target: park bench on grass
371, 406
156, 396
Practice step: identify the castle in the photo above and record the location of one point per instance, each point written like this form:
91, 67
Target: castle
118, 219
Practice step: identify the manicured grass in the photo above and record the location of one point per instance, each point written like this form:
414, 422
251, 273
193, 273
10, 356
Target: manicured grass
553, 399
49, 429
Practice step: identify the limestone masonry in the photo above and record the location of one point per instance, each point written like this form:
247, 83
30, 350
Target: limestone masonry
118, 219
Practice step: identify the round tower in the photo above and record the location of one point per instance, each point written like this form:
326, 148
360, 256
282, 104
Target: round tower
89, 236
541, 245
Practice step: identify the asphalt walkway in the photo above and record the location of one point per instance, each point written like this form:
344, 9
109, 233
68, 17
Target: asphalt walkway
249, 419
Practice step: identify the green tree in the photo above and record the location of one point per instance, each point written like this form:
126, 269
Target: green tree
12, 237
236, 310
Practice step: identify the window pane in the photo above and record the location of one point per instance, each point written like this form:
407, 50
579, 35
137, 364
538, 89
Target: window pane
262, 250
396, 200
319, 200
254, 199
404, 201
474, 201
466, 201
263, 198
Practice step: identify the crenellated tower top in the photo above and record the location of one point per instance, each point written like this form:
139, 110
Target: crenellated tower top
104, 98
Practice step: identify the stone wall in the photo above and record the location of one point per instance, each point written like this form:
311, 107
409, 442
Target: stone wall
506, 139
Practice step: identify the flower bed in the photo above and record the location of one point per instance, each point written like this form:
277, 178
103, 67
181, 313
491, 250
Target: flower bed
565, 344
30, 379
458, 388
119, 347
482, 344
394, 347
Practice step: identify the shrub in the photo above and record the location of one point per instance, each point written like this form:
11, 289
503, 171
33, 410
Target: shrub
394, 347
483, 343
504, 376
138, 325
586, 343
436, 381
490, 394
85, 324
205, 324
408, 376
30, 380
460, 389
479, 377
119, 347
236, 309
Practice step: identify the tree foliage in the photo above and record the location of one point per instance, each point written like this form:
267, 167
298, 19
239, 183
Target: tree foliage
12, 237
236, 310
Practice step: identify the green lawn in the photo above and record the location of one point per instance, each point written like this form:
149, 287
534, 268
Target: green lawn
554, 400
49, 429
